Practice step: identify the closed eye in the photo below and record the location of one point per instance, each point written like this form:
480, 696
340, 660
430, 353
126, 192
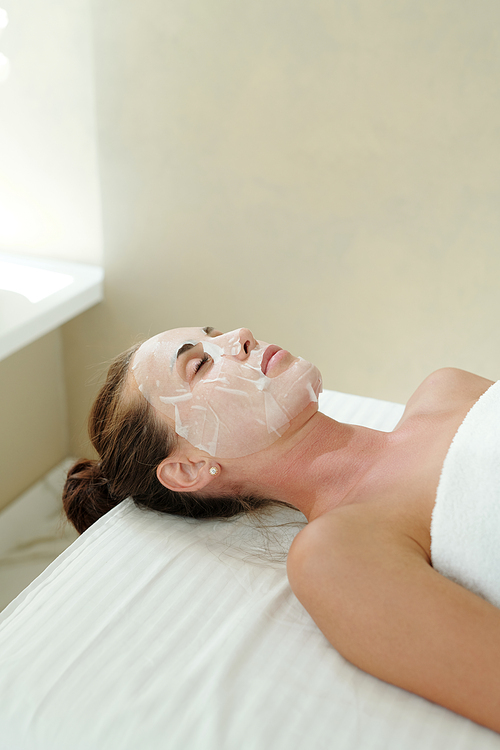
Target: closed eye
201, 362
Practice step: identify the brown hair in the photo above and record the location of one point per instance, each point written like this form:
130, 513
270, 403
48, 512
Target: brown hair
132, 441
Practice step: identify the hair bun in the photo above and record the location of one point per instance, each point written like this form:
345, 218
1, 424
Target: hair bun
86, 495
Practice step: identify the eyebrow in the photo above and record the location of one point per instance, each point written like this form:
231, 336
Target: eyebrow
189, 345
184, 348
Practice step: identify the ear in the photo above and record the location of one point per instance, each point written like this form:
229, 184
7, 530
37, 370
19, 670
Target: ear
184, 475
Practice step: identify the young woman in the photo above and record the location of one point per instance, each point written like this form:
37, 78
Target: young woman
199, 423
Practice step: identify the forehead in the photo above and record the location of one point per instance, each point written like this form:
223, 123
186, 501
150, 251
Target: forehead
177, 336
163, 347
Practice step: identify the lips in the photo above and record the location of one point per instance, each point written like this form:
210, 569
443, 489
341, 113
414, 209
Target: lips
268, 355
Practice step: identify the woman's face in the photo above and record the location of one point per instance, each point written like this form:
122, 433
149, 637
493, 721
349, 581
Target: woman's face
226, 393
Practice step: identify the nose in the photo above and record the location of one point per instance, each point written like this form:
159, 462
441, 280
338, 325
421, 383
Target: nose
246, 342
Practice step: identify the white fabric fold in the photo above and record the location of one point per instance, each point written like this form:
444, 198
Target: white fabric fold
465, 527
163, 633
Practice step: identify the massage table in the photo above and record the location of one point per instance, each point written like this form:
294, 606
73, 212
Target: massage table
163, 633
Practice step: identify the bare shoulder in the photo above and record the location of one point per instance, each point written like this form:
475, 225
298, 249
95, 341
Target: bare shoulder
338, 562
348, 526
458, 381
446, 389
379, 602
341, 545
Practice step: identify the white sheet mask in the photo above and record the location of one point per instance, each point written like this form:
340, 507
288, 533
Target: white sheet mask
229, 408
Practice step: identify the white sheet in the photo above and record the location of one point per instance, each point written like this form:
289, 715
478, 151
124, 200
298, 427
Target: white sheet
161, 633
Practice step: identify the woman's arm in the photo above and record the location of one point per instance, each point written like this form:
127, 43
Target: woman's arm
385, 609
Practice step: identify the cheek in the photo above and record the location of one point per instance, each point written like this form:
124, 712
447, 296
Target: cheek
231, 423
232, 416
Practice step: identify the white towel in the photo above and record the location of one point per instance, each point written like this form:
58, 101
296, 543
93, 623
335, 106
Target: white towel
465, 527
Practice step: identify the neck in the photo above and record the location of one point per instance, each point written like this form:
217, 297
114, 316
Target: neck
320, 467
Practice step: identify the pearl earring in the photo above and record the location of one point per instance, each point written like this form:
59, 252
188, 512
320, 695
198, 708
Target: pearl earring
214, 470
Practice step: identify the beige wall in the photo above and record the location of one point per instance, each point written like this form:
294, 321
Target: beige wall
33, 434
326, 173
49, 187
49, 205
